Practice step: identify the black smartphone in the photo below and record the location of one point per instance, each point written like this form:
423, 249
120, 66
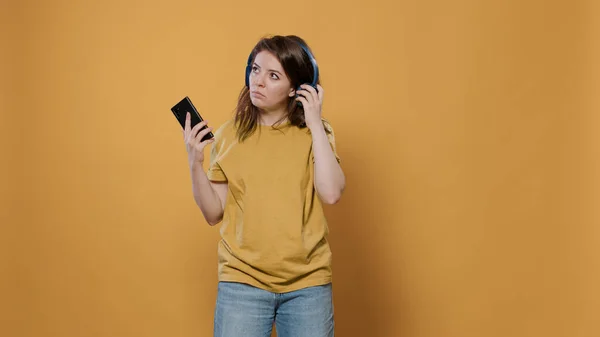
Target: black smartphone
184, 106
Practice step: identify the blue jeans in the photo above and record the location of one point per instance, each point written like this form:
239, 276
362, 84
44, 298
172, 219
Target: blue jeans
246, 311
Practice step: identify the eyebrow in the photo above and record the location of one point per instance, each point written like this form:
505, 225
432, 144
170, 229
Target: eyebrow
256, 64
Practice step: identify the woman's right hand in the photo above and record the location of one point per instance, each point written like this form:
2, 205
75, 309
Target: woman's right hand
193, 144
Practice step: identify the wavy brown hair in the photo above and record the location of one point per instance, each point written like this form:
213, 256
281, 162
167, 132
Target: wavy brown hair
298, 68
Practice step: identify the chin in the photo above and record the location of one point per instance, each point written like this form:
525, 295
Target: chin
257, 103
261, 104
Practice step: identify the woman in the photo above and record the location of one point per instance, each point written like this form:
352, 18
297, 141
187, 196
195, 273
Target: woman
271, 168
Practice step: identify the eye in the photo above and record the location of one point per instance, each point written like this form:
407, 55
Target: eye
254, 68
274, 76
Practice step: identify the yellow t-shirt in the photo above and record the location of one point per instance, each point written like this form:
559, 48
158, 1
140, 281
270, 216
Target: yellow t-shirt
273, 229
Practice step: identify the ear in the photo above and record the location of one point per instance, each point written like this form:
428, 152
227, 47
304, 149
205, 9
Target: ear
292, 92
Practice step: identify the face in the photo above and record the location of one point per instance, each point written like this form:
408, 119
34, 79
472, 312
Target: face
270, 88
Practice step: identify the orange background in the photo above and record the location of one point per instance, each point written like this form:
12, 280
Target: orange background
468, 132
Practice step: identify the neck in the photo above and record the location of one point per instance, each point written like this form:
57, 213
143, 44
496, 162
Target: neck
270, 117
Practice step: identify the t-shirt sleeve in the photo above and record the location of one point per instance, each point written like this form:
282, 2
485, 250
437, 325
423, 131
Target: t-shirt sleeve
331, 138
215, 172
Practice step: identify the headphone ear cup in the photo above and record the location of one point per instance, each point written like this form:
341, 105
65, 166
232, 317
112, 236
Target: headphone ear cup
248, 69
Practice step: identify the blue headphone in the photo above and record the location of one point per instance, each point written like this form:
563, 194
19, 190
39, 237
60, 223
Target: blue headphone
315, 77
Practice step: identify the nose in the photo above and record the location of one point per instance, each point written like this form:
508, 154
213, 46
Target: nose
257, 80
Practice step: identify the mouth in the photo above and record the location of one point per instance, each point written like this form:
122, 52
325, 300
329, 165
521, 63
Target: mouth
257, 94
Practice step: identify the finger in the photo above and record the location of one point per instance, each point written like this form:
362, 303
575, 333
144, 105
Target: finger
201, 145
320, 92
191, 134
312, 91
201, 134
187, 121
206, 142
304, 94
303, 100
198, 126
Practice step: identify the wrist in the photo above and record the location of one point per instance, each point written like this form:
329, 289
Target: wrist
318, 133
315, 126
196, 166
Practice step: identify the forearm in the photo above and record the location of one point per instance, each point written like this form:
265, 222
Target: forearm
205, 196
329, 177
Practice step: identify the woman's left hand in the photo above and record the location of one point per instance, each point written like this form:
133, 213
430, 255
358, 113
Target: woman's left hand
312, 102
